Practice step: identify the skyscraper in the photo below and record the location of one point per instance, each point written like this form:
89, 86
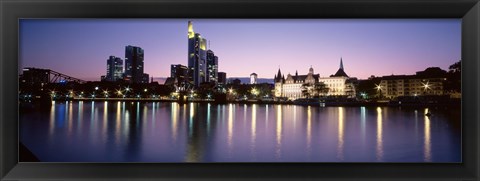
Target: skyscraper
212, 67
197, 63
134, 64
114, 69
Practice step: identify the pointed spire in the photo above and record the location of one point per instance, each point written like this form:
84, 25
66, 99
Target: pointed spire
341, 63
296, 73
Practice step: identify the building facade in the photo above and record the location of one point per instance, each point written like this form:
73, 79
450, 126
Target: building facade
180, 75
303, 86
134, 64
253, 78
212, 67
222, 78
114, 69
197, 57
424, 83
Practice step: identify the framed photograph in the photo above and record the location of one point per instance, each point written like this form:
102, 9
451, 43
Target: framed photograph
226, 90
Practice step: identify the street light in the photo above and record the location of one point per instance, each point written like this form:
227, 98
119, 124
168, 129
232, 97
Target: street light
119, 92
364, 95
254, 91
106, 93
426, 86
96, 88
379, 89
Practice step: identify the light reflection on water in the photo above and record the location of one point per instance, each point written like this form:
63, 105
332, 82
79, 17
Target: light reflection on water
194, 132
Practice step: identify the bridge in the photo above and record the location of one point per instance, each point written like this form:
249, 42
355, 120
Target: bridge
47, 76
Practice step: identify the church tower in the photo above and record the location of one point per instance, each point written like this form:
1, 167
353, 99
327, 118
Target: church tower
279, 80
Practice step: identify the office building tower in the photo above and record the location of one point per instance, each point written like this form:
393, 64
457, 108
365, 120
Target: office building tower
114, 69
197, 63
212, 67
253, 78
180, 74
222, 78
134, 64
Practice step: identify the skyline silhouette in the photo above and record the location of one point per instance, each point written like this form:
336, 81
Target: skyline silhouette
81, 47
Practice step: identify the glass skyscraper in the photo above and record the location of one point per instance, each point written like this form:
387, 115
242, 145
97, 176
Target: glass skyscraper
212, 67
197, 57
114, 68
134, 64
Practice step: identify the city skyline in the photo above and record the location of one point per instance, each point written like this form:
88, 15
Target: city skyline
393, 46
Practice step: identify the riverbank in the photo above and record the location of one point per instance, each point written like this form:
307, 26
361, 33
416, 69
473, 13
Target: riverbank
448, 103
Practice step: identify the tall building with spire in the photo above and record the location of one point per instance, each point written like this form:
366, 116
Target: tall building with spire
339, 84
340, 71
299, 86
197, 57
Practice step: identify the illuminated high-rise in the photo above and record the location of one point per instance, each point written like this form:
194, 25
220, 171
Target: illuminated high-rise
197, 57
114, 68
134, 64
212, 67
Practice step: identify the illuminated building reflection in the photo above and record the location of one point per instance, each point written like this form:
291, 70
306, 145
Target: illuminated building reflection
105, 118
363, 118
209, 109
279, 131
145, 113
80, 116
379, 135
52, 119
70, 117
340, 134
154, 110
309, 129
190, 120
254, 126
118, 118
427, 142
295, 117
230, 127
174, 111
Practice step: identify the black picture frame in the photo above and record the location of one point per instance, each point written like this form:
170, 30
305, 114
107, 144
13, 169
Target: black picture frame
11, 11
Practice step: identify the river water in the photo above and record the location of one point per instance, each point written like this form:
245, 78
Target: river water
88, 131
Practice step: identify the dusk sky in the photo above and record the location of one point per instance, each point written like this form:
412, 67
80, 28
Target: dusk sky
81, 47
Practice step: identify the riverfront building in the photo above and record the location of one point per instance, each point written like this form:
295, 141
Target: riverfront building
431, 81
114, 69
302, 86
134, 65
212, 67
179, 76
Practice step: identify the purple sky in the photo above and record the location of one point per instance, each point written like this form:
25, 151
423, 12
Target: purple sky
80, 47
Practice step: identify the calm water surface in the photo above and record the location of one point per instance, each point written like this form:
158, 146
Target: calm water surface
201, 132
